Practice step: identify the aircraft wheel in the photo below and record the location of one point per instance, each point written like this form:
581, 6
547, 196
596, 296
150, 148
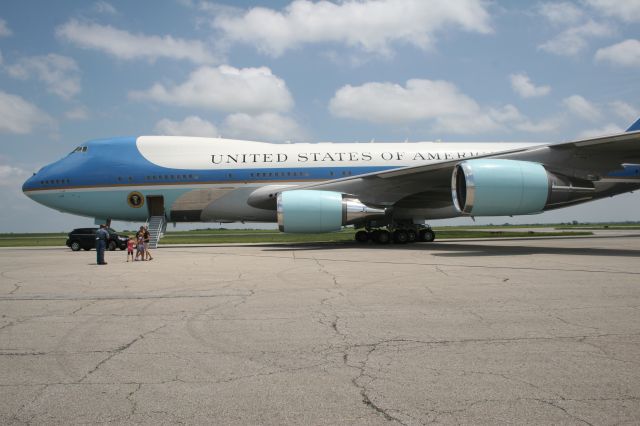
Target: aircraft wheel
362, 236
400, 236
381, 236
412, 236
426, 235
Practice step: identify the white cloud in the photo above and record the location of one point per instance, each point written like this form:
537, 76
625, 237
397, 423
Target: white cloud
11, 176
523, 86
626, 53
125, 45
190, 126
77, 113
608, 129
561, 13
268, 126
104, 7
370, 25
626, 10
436, 101
225, 88
5, 31
60, 74
582, 107
574, 40
626, 111
393, 103
19, 116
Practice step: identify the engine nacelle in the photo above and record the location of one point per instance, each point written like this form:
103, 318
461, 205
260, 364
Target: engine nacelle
487, 187
320, 211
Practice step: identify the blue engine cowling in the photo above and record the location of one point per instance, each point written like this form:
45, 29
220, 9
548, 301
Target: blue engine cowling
487, 187
307, 211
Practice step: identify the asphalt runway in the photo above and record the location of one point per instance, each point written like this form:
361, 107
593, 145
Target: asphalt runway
543, 331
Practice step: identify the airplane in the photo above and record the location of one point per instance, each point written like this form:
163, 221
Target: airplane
387, 190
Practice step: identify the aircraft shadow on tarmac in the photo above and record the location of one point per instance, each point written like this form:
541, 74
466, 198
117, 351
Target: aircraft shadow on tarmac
462, 249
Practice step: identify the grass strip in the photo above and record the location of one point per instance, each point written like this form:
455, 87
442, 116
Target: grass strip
227, 236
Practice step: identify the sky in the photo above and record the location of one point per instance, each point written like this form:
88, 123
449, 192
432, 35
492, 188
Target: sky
311, 71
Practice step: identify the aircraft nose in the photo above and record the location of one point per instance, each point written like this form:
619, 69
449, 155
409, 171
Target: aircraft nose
29, 185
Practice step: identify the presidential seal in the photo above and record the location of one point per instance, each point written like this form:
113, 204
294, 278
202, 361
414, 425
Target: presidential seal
135, 200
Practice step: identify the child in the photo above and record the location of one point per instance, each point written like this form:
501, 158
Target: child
130, 245
140, 251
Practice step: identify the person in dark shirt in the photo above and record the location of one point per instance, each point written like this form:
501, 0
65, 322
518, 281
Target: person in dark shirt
102, 238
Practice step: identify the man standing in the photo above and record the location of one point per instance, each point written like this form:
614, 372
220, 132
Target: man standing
102, 237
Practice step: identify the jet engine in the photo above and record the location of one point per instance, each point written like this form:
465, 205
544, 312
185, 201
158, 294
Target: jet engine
320, 211
494, 187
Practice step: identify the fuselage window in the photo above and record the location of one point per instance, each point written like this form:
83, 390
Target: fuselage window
84, 149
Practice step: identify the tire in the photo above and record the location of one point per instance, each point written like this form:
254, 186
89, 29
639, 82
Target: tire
382, 236
75, 246
412, 236
400, 236
112, 246
362, 236
427, 235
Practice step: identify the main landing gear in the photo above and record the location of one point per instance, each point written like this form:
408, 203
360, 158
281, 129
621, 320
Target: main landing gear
396, 235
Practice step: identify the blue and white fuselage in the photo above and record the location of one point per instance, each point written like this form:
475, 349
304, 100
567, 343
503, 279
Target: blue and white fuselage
210, 179
188, 179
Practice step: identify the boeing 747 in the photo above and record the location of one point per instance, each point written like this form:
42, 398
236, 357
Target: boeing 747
389, 190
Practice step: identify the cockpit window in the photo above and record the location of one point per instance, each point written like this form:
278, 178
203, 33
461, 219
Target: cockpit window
79, 149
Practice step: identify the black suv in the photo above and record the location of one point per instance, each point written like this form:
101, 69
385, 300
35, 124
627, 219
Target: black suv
85, 238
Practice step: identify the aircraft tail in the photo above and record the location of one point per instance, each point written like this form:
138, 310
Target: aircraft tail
635, 126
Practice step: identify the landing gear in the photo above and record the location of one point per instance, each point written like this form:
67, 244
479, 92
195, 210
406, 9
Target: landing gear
362, 236
426, 235
381, 236
398, 234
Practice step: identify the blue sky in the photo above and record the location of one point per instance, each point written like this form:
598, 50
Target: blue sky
387, 70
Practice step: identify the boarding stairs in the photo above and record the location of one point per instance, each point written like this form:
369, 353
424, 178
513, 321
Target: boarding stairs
156, 225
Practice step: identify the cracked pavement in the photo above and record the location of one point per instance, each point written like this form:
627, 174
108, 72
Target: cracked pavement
488, 332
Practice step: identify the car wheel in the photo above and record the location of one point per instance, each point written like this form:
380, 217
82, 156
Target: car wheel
75, 246
112, 246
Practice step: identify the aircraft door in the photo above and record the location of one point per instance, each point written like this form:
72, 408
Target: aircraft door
155, 203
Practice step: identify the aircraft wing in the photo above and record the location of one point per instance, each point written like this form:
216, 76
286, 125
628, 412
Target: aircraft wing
590, 159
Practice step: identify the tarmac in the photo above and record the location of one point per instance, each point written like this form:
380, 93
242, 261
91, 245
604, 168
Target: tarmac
526, 331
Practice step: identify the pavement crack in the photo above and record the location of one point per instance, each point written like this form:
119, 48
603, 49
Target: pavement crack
17, 287
358, 382
554, 405
119, 350
323, 269
132, 401
86, 305
439, 270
